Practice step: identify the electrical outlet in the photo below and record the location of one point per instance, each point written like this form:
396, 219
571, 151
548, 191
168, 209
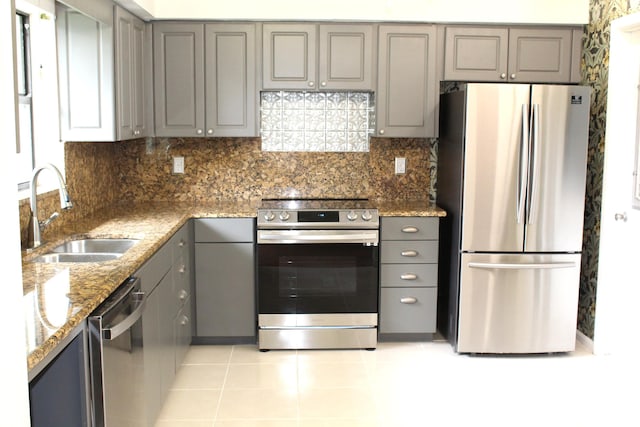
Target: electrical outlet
401, 165
178, 165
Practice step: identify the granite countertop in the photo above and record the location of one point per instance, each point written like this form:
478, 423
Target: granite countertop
58, 297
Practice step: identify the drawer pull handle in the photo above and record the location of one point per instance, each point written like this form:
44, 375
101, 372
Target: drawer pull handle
410, 229
181, 243
409, 300
184, 321
183, 295
408, 276
182, 269
409, 253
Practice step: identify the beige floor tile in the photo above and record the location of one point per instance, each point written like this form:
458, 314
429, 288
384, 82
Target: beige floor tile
203, 354
325, 356
283, 376
183, 423
264, 403
352, 402
200, 377
196, 405
332, 374
251, 354
339, 422
257, 423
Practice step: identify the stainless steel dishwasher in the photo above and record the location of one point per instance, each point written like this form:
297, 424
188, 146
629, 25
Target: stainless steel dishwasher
116, 354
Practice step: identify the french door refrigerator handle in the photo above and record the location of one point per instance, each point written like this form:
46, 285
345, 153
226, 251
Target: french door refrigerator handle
521, 266
534, 168
523, 165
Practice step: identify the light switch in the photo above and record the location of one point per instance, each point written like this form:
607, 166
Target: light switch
178, 165
401, 165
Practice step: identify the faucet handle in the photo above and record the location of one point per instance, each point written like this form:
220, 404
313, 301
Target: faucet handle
47, 221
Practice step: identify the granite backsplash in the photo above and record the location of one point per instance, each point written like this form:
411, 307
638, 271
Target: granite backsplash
217, 169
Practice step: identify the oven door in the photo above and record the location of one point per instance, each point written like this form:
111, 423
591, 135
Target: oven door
317, 278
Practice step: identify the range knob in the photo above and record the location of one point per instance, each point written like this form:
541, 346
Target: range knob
284, 215
352, 216
366, 215
269, 216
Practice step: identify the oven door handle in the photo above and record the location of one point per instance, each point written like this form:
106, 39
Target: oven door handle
367, 237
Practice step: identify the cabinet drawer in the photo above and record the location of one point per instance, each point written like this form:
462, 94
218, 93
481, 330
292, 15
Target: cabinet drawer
408, 310
152, 271
180, 243
414, 275
410, 252
224, 230
409, 228
181, 282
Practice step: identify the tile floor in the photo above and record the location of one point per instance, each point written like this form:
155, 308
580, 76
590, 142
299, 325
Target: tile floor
399, 385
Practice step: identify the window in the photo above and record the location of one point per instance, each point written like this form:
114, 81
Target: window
38, 139
24, 146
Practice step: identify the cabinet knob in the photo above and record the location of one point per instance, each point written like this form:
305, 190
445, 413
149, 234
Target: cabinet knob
182, 295
199, 131
181, 243
410, 229
513, 76
410, 254
184, 321
408, 276
209, 131
182, 269
381, 131
323, 84
503, 76
621, 217
409, 300
311, 84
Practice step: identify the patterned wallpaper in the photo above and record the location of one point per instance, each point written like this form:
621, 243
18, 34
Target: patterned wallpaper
595, 73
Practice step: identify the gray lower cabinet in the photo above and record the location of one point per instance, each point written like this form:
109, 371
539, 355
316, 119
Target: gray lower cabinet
205, 79
408, 89
225, 280
166, 321
307, 56
408, 277
512, 54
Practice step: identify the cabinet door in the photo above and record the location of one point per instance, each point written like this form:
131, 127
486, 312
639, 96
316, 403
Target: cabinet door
225, 301
178, 50
130, 50
407, 85
142, 91
289, 56
540, 55
86, 77
476, 54
182, 333
346, 57
230, 55
408, 310
152, 351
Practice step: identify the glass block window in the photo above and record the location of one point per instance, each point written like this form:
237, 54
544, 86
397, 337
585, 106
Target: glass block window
316, 121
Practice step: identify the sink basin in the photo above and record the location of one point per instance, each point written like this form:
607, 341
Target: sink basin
83, 246
76, 257
87, 250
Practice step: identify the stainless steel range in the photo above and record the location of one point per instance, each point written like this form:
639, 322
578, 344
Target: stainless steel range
317, 263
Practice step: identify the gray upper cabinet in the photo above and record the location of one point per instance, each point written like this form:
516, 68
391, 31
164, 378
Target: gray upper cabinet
407, 84
132, 65
230, 71
205, 79
310, 56
178, 64
517, 54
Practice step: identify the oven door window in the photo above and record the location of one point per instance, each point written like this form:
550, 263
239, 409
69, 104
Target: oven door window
317, 278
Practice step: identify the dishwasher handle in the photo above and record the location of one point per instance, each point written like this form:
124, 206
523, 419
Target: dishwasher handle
139, 300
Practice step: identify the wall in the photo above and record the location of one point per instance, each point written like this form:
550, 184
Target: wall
595, 72
488, 11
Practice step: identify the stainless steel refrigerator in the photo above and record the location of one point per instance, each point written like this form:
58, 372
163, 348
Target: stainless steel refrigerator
511, 176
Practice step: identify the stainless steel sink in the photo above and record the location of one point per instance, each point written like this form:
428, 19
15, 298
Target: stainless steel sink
77, 257
82, 246
87, 250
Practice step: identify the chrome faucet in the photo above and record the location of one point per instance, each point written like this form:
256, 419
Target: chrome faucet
35, 225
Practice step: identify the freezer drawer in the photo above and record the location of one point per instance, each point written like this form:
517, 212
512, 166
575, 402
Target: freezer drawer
512, 303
